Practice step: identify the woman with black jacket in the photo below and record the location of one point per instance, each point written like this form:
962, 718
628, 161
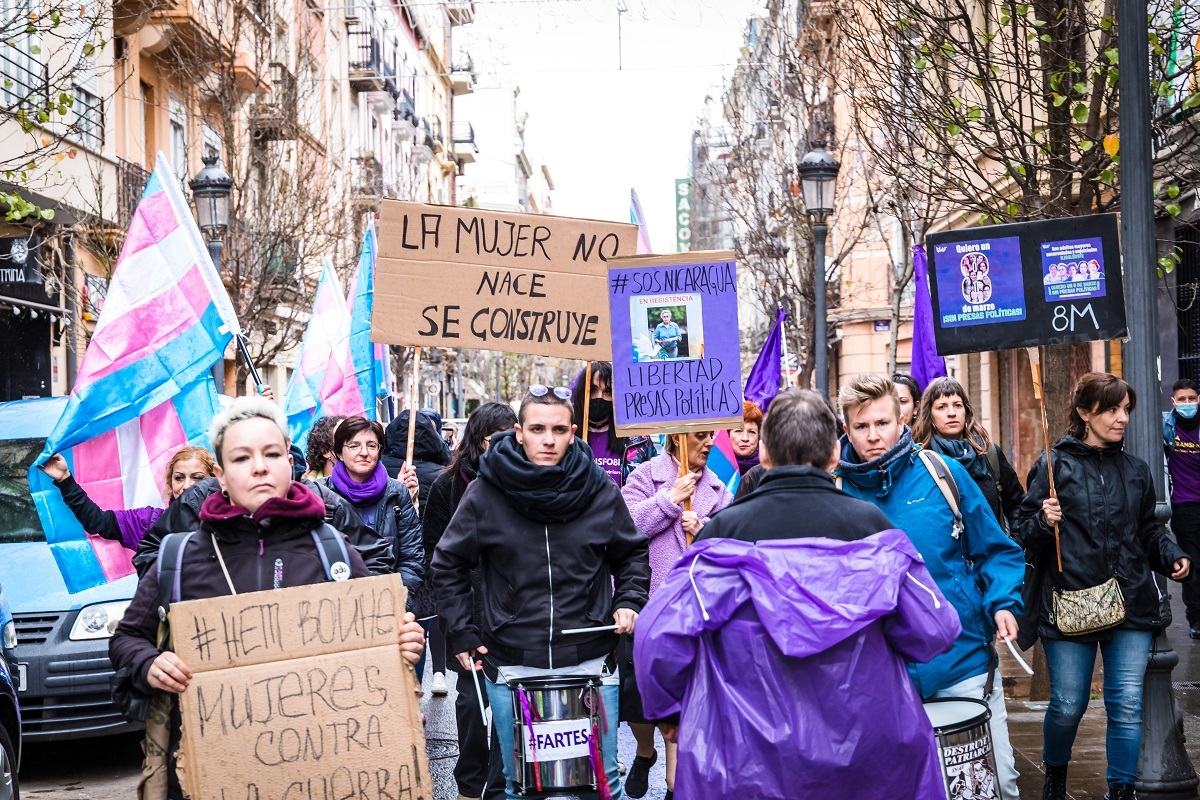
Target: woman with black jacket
476, 768
383, 503
261, 513
1104, 511
946, 423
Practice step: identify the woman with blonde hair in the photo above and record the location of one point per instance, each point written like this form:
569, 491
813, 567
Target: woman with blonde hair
946, 424
128, 525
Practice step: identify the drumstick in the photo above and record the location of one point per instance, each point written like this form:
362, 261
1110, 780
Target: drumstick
479, 696
1017, 656
597, 629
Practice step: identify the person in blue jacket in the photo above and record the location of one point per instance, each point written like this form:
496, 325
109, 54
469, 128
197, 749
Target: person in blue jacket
975, 565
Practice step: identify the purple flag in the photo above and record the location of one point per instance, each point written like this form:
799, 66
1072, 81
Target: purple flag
926, 363
763, 383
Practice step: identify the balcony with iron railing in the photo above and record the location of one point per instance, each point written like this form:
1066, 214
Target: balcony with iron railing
24, 83
274, 115
369, 70
131, 182
367, 178
465, 148
89, 119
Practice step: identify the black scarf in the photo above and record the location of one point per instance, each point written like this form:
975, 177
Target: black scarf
543, 494
964, 453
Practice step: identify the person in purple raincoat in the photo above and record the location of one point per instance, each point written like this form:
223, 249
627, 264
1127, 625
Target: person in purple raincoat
188, 466
775, 651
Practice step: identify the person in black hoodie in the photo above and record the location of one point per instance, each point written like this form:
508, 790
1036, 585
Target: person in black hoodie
430, 457
1104, 512
558, 551
431, 454
261, 513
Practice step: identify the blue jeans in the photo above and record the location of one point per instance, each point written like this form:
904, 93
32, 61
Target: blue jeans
1071, 664
500, 699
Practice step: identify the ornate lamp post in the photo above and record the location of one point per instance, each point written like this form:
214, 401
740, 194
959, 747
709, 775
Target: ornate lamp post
818, 172
210, 192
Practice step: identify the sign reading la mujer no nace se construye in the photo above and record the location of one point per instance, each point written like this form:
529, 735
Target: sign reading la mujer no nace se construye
494, 280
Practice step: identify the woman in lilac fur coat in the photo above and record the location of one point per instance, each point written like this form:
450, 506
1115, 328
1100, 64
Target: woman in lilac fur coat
655, 493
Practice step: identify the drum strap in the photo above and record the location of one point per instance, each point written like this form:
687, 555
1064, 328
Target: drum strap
993, 663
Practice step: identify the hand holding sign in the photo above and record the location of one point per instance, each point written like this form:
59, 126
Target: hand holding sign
1052, 511
684, 488
412, 638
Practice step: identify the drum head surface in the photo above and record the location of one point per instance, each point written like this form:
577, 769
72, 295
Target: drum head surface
956, 713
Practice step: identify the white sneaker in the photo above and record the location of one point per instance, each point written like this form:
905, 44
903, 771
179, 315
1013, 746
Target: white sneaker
439, 686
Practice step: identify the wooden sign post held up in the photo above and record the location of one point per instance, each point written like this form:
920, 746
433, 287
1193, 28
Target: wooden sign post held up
684, 468
1035, 367
413, 405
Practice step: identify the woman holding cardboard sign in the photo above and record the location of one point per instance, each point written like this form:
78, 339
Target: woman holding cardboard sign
262, 531
1105, 595
671, 509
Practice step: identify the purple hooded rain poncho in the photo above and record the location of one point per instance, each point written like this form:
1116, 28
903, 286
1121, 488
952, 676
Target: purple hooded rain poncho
786, 663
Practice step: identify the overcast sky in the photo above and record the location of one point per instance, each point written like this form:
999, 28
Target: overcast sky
601, 129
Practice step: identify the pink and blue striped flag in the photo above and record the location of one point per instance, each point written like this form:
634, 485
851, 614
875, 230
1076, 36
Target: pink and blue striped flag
356, 377
144, 387
328, 331
638, 218
723, 461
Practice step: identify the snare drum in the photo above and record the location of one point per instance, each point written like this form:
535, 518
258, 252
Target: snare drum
555, 744
965, 746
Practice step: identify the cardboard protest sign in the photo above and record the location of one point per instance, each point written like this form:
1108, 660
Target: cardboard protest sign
300, 694
1028, 283
676, 358
494, 280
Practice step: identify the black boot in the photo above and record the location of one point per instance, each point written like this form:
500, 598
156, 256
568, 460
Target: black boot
1121, 791
1055, 785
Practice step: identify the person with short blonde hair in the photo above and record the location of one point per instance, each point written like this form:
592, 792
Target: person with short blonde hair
977, 567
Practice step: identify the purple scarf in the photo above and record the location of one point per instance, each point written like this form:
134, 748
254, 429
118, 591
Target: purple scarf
747, 463
359, 493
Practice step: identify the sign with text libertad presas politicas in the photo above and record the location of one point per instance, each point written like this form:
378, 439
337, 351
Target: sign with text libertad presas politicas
300, 693
495, 280
676, 358
1052, 281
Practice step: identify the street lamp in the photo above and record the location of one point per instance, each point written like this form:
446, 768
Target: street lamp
210, 190
818, 172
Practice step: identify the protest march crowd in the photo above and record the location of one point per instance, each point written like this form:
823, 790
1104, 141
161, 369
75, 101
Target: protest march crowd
800, 639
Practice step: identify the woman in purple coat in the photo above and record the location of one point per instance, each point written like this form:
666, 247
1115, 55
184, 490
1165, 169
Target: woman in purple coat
189, 465
655, 494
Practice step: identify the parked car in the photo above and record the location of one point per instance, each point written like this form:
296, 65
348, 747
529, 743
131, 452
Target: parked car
62, 669
10, 708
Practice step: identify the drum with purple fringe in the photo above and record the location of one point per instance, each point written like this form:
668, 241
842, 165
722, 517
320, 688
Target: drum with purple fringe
558, 722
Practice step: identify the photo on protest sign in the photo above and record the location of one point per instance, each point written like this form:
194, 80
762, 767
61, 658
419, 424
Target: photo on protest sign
986, 275
999, 287
1072, 270
667, 327
676, 356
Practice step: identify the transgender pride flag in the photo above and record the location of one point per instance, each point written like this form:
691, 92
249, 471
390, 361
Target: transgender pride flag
355, 387
638, 218
328, 331
144, 388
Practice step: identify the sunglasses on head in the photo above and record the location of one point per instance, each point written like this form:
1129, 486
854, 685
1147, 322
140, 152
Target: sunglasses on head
539, 390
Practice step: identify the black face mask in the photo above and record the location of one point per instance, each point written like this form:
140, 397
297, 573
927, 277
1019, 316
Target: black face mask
599, 410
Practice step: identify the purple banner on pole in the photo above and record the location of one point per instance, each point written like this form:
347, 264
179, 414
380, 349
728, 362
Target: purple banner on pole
926, 363
765, 375
676, 356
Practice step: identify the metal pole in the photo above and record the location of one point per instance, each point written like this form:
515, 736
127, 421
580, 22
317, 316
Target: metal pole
216, 250
1164, 769
820, 345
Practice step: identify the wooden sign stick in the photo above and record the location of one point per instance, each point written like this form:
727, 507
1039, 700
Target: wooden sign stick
412, 417
1035, 367
683, 470
587, 400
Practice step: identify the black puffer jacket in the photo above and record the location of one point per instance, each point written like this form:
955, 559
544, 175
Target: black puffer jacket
396, 522
539, 578
1107, 530
431, 454
184, 515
